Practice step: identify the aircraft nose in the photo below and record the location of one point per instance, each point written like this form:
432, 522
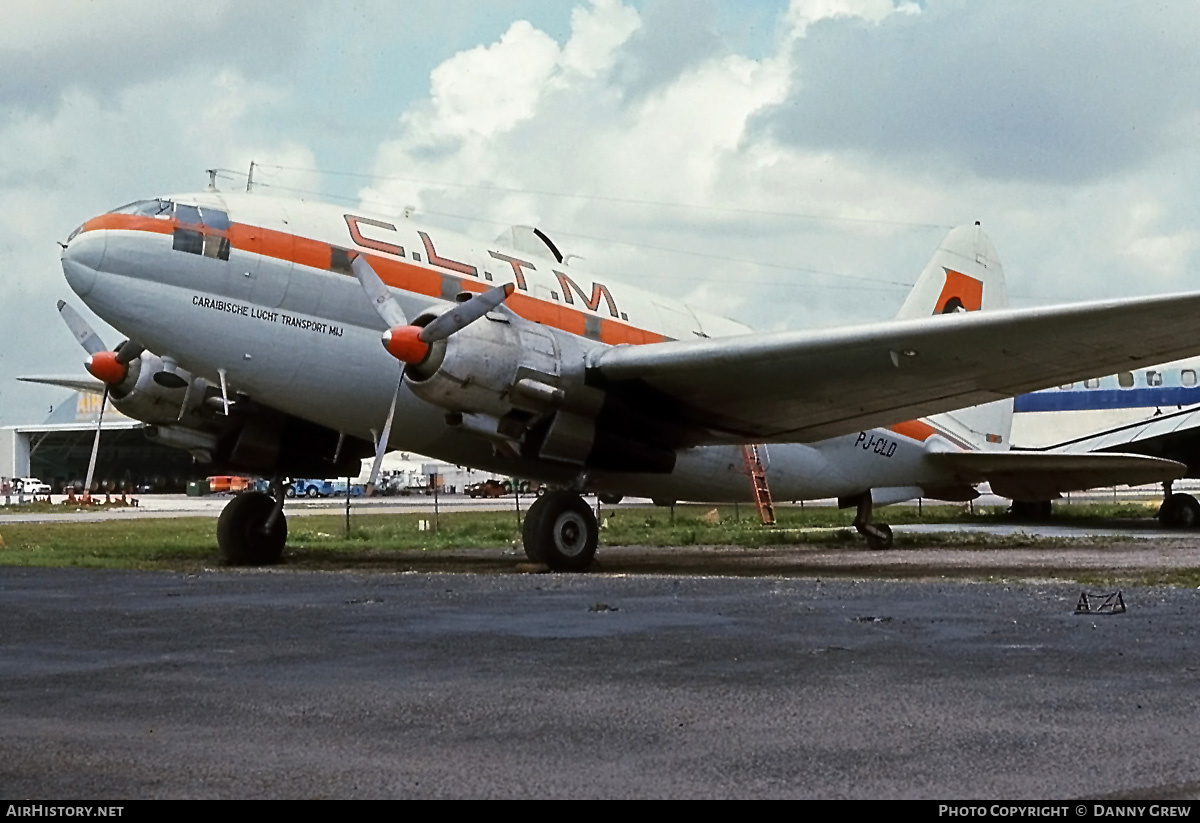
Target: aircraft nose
81, 259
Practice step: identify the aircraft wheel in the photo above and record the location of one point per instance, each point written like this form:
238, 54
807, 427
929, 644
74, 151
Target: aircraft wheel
610, 499
1032, 509
1180, 511
561, 531
241, 533
879, 537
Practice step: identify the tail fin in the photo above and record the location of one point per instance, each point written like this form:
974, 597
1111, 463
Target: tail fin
965, 274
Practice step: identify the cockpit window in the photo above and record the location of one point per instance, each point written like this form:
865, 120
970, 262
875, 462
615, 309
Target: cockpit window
149, 208
215, 219
188, 215
201, 231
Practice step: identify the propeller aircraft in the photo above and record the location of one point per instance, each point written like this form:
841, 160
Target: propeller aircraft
254, 328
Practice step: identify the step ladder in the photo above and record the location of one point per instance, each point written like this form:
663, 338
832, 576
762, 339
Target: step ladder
757, 473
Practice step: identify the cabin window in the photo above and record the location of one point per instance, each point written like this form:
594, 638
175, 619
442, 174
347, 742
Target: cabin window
1188, 377
1125, 379
339, 261
1092, 383
1153, 378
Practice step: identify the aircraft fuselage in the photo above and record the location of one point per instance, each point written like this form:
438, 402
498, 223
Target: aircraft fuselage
259, 291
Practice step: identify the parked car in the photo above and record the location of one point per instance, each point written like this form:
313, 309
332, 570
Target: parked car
487, 488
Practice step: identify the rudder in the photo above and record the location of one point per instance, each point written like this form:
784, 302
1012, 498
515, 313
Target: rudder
965, 274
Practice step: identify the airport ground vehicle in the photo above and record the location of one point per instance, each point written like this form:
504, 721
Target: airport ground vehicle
311, 487
229, 484
337, 488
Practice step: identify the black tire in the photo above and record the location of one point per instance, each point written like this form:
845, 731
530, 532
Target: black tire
311, 491
290, 492
1031, 509
610, 499
1180, 511
880, 538
241, 535
561, 531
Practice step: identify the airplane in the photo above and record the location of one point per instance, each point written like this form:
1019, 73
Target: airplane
255, 323
1110, 414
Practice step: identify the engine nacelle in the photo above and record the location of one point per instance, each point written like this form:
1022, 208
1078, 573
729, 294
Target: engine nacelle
143, 397
522, 386
493, 367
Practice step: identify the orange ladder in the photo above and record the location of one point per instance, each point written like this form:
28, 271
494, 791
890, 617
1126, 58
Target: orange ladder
758, 483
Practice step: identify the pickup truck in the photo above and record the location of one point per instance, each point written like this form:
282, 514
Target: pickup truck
30, 485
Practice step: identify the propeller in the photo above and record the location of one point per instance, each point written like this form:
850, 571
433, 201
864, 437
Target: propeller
109, 367
411, 344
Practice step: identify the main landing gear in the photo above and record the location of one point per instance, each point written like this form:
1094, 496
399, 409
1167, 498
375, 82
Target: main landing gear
252, 529
561, 531
879, 535
1178, 510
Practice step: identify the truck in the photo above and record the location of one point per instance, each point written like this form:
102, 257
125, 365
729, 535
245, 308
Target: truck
30, 485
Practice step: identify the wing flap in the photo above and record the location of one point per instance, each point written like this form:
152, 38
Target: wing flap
1045, 475
805, 386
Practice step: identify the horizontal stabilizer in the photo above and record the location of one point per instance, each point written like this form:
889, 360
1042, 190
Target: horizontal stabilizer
1044, 476
67, 381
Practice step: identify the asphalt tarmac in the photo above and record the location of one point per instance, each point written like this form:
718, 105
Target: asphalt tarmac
236, 684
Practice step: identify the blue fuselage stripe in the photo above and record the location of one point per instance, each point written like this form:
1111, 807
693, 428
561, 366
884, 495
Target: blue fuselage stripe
1095, 399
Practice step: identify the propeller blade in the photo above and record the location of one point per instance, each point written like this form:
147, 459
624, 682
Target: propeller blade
82, 332
91, 472
381, 445
464, 314
383, 301
129, 351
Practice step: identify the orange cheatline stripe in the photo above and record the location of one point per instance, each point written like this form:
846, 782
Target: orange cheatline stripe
399, 274
130, 222
916, 429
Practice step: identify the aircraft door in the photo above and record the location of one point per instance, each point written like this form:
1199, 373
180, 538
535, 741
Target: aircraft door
274, 244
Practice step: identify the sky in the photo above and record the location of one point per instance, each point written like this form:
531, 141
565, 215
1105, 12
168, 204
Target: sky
788, 164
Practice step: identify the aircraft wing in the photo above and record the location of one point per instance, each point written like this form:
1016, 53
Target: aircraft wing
806, 386
1046, 475
69, 381
1175, 435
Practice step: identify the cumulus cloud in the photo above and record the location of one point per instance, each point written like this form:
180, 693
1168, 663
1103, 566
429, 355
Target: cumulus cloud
794, 172
1069, 91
